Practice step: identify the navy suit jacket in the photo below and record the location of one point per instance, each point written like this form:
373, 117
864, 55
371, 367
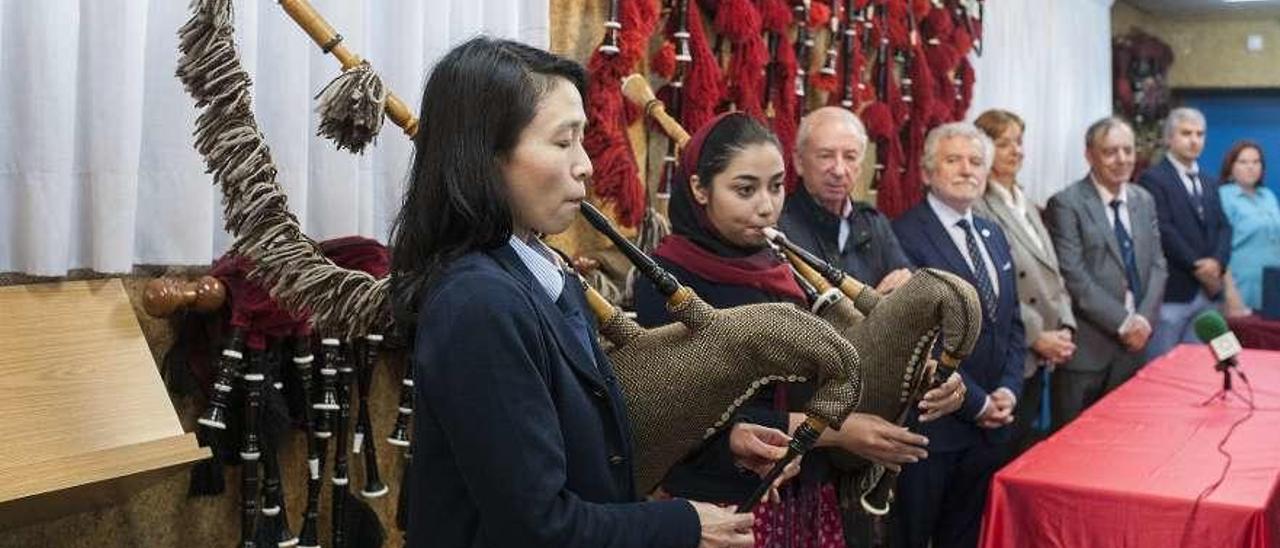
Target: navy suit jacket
1184, 235
997, 358
520, 434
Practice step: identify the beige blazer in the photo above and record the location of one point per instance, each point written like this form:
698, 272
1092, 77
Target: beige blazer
1045, 303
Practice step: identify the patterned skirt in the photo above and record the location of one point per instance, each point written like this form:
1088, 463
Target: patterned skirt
807, 517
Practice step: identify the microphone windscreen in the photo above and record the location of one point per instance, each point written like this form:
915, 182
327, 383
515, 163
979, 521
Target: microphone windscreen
1210, 325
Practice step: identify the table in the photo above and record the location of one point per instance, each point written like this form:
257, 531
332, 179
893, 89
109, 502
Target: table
1254, 331
1128, 470
85, 419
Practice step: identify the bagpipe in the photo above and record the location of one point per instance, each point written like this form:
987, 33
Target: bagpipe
251, 400
896, 335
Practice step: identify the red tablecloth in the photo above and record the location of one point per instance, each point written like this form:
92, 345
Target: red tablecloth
1127, 471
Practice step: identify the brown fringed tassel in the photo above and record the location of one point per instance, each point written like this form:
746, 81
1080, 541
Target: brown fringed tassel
255, 207
653, 229
350, 108
601, 283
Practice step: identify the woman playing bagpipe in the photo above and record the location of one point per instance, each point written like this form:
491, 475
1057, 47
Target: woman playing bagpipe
728, 189
521, 436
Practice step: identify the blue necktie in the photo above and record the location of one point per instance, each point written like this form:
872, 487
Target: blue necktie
1197, 194
1126, 253
985, 289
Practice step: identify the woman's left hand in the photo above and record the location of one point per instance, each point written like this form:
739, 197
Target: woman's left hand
757, 448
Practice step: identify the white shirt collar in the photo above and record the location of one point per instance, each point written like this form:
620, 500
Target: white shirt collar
1182, 170
847, 212
1106, 195
542, 263
948, 215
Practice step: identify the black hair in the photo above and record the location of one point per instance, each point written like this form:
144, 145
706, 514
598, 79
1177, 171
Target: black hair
479, 98
730, 136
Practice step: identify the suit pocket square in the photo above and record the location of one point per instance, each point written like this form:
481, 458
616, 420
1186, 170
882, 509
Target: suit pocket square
1007, 267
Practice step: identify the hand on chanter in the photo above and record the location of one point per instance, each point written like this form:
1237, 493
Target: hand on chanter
758, 448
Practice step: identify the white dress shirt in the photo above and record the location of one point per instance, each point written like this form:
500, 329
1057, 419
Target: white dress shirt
949, 218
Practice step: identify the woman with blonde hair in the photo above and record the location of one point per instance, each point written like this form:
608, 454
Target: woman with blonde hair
1045, 304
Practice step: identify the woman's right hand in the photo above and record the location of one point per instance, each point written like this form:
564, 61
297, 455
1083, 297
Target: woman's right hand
1055, 346
722, 527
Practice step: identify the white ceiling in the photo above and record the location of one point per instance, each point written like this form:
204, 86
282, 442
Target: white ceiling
1205, 7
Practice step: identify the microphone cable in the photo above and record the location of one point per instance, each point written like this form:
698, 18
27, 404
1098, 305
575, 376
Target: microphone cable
1222, 476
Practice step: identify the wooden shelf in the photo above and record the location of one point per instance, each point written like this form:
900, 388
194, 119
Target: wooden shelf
84, 416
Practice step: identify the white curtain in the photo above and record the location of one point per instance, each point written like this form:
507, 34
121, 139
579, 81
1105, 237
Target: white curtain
1049, 61
97, 168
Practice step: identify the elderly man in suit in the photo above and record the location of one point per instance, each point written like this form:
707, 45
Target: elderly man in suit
1042, 296
1107, 238
1193, 230
940, 499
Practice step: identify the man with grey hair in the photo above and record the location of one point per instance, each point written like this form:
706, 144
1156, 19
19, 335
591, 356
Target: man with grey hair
940, 500
820, 216
1193, 230
1107, 236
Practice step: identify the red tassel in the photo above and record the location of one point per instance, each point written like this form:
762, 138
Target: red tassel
896, 17
664, 61
942, 58
878, 119
616, 178
819, 15
924, 88
863, 93
938, 24
962, 41
737, 20
824, 82
921, 9
639, 22
785, 104
703, 86
746, 71
892, 196
775, 15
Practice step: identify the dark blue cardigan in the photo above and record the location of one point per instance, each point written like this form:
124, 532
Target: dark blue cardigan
520, 437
